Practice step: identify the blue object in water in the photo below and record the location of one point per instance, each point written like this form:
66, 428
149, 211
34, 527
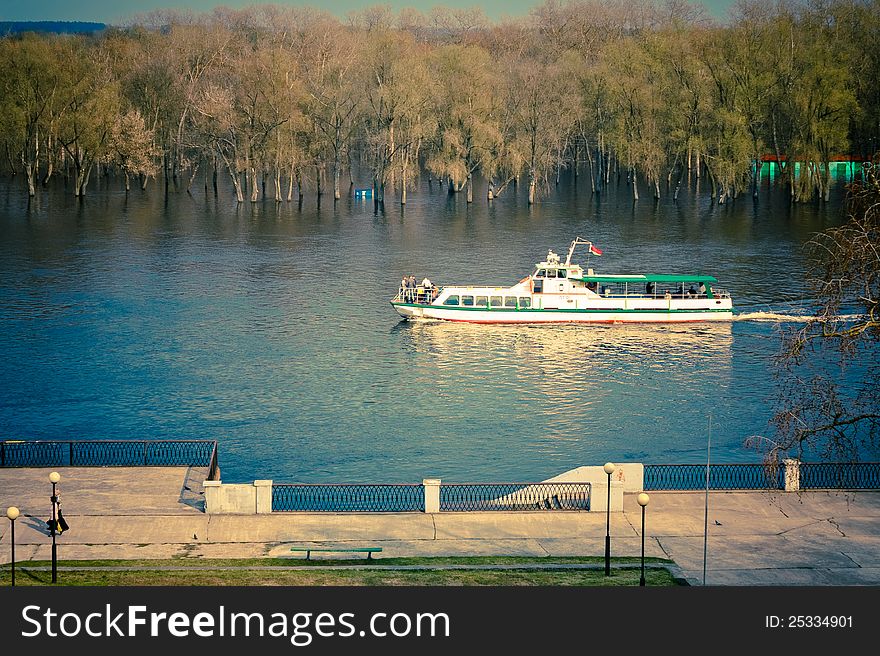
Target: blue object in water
363, 193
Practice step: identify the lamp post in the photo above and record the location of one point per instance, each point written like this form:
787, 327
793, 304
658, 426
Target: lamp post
643, 501
12, 513
54, 477
609, 469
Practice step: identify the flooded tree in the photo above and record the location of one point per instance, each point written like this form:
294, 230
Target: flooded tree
466, 110
815, 411
645, 89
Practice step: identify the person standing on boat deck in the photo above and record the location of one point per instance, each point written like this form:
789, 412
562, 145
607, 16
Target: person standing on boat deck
426, 287
702, 289
649, 288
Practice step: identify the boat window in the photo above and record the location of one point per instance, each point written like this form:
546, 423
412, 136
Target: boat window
510, 301
452, 300
467, 300
525, 302
494, 301
482, 301
562, 273
541, 273
551, 273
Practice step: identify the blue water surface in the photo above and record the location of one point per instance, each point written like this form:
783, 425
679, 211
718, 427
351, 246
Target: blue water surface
154, 315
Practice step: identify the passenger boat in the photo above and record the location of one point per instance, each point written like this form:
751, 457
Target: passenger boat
561, 292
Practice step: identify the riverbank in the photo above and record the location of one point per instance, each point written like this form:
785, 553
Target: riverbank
754, 538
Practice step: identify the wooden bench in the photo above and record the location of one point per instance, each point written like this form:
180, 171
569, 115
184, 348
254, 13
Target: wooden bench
367, 550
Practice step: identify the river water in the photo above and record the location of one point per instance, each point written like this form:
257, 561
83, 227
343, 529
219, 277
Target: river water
268, 327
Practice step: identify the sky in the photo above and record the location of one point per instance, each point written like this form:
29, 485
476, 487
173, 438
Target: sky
115, 11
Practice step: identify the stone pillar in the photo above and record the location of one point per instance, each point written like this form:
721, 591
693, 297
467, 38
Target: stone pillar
263, 490
792, 474
432, 495
212, 496
599, 496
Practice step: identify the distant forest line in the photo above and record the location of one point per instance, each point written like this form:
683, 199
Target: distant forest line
285, 100
55, 27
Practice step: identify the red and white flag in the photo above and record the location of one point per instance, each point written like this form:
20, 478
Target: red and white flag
594, 250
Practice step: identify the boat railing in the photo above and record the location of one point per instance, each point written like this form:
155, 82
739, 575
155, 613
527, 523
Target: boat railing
418, 294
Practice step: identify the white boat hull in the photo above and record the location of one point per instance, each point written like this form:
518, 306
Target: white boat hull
679, 314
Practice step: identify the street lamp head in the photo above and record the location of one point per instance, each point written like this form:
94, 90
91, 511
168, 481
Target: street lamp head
54, 477
609, 468
12, 513
643, 499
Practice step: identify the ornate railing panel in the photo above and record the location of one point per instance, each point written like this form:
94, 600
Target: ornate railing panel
721, 477
109, 453
514, 496
288, 497
840, 475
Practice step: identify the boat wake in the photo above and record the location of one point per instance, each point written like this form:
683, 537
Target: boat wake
778, 317
773, 317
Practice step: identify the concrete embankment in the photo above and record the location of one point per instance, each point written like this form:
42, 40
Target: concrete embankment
754, 538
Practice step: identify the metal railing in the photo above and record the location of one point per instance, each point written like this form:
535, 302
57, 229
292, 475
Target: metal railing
110, 453
514, 496
287, 497
721, 477
840, 475
422, 295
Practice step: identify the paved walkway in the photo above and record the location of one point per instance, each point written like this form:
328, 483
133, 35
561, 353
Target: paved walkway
755, 538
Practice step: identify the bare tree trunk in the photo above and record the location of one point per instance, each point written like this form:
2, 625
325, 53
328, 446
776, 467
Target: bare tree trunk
50, 161
592, 174
533, 183
254, 185
29, 174
827, 195
403, 182
277, 178
189, 184
711, 181
677, 186
607, 157
672, 170
470, 189
233, 174
635, 183
85, 182
756, 178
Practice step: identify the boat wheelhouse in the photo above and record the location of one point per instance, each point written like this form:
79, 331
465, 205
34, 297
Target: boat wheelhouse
563, 292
